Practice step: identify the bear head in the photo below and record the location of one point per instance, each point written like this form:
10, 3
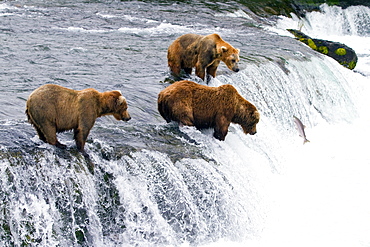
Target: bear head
230, 56
250, 127
118, 106
247, 116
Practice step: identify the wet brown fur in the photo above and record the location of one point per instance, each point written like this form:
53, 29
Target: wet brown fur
201, 106
52, 108
202, 52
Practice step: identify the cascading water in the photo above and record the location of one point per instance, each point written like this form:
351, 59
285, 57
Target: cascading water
349, 26
148, 183
353, 21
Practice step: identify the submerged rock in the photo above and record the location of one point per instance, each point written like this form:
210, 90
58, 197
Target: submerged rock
343, 54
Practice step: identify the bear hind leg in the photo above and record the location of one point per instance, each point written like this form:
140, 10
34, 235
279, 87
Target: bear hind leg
183, 118
50, 134
184, 115
187, 121
40, 134
60, 145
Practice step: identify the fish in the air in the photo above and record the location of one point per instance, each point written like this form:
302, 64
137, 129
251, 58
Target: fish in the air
300, 128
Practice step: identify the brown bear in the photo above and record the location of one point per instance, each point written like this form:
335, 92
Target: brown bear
202, 52
52, 108
192, 104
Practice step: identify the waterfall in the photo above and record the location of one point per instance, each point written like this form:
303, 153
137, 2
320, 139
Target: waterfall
146, 197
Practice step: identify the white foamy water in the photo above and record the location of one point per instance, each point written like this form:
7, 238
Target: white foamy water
319, 194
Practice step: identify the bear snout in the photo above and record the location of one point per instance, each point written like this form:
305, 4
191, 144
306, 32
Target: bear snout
126, 118
248, 130
236, 69
253, 132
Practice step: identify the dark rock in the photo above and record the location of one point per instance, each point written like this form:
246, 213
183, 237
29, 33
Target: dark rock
343, 54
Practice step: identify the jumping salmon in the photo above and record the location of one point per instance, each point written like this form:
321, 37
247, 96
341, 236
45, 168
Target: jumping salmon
300, 128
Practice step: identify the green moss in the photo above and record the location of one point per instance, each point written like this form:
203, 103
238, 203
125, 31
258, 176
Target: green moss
324, 50
341, 51
312, 44
352, 65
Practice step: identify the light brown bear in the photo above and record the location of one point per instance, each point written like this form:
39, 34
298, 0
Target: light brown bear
52, 108
201, 106
202, 52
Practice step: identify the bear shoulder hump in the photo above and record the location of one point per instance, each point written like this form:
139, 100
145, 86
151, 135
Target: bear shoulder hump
215, 37
229, 88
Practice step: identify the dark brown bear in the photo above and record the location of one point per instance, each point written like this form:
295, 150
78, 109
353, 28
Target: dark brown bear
201, 106
52, 108
202, 52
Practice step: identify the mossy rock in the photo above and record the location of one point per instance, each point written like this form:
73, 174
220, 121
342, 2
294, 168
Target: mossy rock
343, 54
323, 50
341, 51
311, 44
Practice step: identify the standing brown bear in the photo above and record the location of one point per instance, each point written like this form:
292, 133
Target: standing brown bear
201, 106
202, 52
52, 108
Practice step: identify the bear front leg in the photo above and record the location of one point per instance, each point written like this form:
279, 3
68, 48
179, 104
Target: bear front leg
200, 71
211, 70
80, 135
221, 129
175, 69
220, 134
188, 70
174, 63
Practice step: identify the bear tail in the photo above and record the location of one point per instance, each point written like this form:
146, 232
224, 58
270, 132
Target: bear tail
29, 118
38, 129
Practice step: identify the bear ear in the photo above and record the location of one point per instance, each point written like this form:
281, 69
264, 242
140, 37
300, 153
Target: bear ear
256, 115
223, 48
120, 100
238, 50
